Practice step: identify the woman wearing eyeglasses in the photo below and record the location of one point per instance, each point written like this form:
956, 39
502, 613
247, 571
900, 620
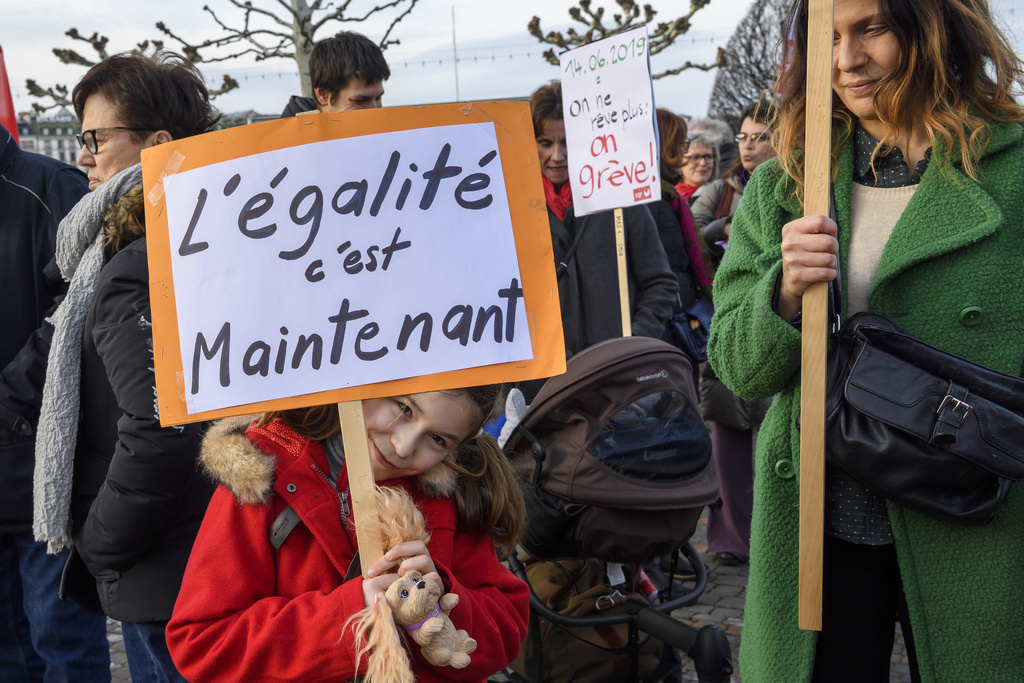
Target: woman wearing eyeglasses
126, 493
700, 165
715, 203
734, 421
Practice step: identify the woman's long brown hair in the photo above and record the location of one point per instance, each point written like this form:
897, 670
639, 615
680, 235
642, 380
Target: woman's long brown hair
956, 72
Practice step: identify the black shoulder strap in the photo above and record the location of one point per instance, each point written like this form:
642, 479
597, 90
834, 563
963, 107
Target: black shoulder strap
354, 569
286, 522
563, 265
835, 288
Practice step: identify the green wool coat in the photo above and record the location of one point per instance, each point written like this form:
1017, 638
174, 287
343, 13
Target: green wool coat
959, 244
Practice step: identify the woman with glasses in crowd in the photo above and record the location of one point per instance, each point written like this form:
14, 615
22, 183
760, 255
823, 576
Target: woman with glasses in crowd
715, 203
699, 164
126, 492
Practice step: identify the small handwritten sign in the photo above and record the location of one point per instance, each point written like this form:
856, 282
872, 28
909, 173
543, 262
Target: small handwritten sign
354, 262
609, 126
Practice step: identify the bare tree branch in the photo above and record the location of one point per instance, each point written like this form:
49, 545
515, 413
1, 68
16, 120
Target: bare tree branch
660, 37
299, 21
384, 42
227, 85
58, 94
262, 29
720, 61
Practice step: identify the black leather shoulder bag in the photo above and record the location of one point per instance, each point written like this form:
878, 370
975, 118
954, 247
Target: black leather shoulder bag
926, 429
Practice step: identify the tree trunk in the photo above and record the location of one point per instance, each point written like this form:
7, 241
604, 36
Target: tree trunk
303, 43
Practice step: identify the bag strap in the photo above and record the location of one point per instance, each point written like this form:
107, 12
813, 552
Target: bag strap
724, 208
835, 288
286, 522
569, 585
563, 265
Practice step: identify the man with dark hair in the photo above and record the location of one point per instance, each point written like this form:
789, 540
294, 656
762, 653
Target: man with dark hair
41, 636
347, 71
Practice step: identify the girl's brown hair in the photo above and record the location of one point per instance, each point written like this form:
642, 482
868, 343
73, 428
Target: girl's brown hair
487, 490
955, 68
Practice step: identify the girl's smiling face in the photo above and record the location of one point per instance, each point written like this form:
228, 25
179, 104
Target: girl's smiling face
411, 434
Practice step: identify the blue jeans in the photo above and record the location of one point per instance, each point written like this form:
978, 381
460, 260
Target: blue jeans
149, 661
44, 638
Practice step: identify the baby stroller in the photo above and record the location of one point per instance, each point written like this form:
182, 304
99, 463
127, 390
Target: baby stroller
616, 467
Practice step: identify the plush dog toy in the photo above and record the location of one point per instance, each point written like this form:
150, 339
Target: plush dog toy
418, 606
414, 603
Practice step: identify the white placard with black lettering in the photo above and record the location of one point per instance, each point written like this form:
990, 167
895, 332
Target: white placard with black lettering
342, 263
608, 104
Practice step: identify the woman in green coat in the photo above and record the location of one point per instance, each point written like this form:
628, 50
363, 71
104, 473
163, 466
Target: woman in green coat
928, 178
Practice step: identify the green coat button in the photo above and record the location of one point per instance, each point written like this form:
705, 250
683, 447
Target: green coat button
785, 469
970, 315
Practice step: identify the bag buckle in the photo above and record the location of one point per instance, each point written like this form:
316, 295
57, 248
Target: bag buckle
957, 405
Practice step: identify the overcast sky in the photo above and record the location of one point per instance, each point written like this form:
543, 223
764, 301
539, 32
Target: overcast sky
497, 56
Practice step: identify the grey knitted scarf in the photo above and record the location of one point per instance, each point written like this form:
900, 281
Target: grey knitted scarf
80, 257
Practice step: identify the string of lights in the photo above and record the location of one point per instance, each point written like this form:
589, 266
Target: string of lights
412, 60
435, 59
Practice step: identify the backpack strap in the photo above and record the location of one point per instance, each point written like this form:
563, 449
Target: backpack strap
286, 522
282, 526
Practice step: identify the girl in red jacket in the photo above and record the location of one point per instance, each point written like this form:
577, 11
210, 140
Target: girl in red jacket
265, 595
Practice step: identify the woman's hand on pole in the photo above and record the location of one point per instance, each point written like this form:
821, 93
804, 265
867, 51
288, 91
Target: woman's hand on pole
810, 254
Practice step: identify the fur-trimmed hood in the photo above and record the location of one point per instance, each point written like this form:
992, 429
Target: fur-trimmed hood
232, 459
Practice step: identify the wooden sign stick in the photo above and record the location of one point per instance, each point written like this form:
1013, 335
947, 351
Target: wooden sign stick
620, 252
360, 481
814, 350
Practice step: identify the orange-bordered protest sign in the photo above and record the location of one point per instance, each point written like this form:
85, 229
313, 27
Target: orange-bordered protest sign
336, 257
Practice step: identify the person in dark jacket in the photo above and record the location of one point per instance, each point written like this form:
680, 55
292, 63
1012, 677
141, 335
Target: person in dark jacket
734, 420
687, 254
41, 636
588, 286
347, 72
135, 500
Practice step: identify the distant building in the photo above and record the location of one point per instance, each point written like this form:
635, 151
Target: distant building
54, 134
244, 118
51, 134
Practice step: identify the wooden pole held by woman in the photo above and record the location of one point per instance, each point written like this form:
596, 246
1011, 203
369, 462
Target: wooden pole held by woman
814, 314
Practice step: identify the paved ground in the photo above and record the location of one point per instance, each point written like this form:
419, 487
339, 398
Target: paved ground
118, 662
721, 604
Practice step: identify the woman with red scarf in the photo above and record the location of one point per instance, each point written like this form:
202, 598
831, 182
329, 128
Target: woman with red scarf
584, 248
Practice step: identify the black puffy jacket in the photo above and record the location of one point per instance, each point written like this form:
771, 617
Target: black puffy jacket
36, 192
139, 496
